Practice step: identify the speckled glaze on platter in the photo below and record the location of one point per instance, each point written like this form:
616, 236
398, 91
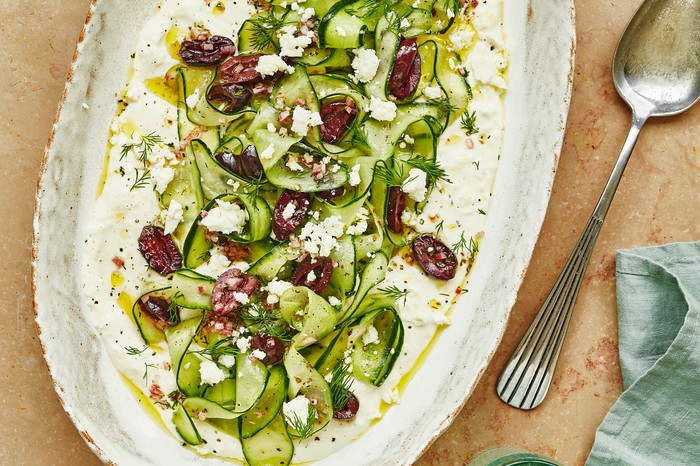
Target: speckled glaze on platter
540, 38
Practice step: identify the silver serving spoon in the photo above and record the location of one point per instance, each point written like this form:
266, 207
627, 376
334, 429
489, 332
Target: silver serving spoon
656, 70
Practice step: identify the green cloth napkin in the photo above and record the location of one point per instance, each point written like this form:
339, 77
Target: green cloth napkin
656, 421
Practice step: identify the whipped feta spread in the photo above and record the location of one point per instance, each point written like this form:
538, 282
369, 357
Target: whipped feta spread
114, 272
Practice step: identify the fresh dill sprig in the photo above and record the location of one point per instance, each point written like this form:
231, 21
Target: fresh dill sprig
142, 179
444, 106
367, 8
264, 321
147, 143
131, 351
434, 172
359, 135
304, 428
126, 148
471, 247
252, 187
476, 164
145, 373
263, 31
218, 349
173, 308
340, 386
395, 292
439, 227
469, 122
145, 147
171, 401
390, 176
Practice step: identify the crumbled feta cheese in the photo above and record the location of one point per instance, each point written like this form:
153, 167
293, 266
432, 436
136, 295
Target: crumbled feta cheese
303, 118
333, 301
461, 38
173, 216
340, 31
322, 238
365, 64
354, 179
485, 65
405, 23
414, 185
359, 223
450, 13
243, 344
275, 289
409, 218
218, 260
258, 354
290, 45
241, 297
227, 360
161, 175
193, 99
271, 128
293, 165
269, 65
370, 336
382, 110
307, 14
432, 92
234, 184
288, 211
226, 217
391, 396
298, 408
268, 152
408, 139
210, 373
311, 276
416, 4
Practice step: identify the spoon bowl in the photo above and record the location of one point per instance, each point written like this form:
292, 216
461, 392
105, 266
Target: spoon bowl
656, 70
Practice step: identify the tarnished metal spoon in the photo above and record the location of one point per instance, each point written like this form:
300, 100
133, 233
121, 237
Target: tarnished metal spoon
656, 70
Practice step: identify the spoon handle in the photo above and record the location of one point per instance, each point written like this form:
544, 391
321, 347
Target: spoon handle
528, 374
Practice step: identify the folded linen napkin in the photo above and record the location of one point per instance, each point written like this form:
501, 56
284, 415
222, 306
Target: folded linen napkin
656, 421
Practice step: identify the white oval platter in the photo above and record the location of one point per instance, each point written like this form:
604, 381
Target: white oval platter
540, 40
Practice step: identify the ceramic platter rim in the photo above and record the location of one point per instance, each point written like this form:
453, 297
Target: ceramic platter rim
541, 42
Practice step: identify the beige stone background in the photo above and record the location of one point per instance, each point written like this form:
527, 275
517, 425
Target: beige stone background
657, 202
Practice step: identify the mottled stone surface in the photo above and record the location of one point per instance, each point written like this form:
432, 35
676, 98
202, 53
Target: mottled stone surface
657, 202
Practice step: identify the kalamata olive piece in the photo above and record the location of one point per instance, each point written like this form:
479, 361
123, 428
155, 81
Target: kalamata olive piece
337, 117
405, 75
435, 257
240, 69
250, 162
227, 295
395, 207
270, 345
234, 96
331, 193
157, 309
246, 164
285, 221
210, 51
314, 273
231, 162
159, 250
349, 410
